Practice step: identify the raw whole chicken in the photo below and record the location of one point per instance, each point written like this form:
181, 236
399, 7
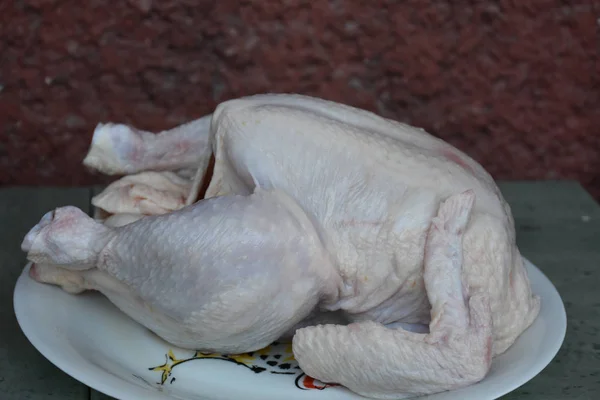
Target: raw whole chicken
386, 253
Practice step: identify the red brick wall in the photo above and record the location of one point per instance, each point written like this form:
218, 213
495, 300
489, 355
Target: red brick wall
516, 84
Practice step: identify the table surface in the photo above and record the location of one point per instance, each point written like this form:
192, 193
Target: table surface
558, 229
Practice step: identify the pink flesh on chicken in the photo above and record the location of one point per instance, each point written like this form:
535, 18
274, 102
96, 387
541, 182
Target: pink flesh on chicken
389, 255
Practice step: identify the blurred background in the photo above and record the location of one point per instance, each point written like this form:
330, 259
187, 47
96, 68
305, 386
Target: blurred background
515, 84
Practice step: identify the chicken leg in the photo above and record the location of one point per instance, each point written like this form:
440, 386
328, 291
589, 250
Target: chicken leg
118, 149
230, 274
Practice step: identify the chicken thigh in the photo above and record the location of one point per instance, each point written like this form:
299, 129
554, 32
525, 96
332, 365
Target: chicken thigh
276, 211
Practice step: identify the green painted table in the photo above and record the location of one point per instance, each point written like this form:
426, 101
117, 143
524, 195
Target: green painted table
558, 225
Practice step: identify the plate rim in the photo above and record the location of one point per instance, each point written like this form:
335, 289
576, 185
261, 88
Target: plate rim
129, 391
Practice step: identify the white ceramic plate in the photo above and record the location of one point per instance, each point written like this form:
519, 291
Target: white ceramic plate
91, 340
